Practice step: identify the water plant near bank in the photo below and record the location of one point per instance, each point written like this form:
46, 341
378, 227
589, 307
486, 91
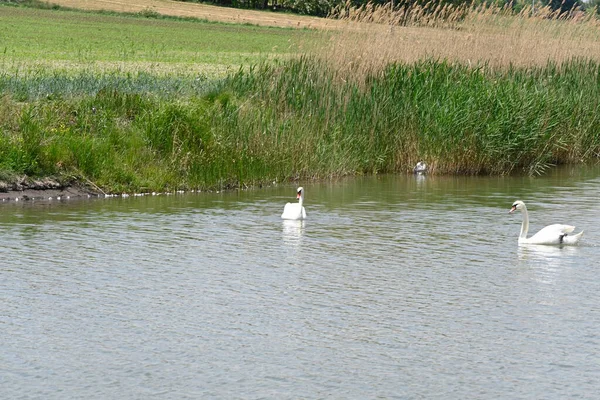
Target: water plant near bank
301, 119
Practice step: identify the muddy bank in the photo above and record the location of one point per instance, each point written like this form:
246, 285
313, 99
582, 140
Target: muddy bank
27, 189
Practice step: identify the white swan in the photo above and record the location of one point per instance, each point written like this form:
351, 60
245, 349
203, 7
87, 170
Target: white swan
552, 234
295, 210
420, 168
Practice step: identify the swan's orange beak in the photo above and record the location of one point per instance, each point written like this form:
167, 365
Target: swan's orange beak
512, 209
298, 196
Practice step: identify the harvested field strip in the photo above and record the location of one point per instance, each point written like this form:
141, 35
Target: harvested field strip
204, 11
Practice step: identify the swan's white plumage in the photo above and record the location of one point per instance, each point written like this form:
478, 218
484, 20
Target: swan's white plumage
551, 234
420, 168
295, 210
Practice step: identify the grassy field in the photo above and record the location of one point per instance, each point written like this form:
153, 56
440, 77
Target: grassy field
136, 103
73, 40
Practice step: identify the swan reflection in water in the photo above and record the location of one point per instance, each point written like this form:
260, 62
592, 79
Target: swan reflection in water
420, 179
293, 231
547, 262
549, 255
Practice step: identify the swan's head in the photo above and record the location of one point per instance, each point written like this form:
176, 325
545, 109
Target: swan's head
517, 205
300, 192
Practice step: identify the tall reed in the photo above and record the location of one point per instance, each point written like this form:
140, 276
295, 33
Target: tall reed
460, 15
459, 119
473, 35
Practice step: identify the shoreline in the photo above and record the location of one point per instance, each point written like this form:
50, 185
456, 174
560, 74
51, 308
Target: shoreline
69, 192
28, 189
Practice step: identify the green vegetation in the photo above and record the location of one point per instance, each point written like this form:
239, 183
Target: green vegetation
459, 120
120, 115
296, 120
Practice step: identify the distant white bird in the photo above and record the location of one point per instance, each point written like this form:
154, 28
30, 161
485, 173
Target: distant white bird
420, 168
295, 210
552, 234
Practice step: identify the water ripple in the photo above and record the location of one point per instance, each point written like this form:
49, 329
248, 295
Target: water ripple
392, 288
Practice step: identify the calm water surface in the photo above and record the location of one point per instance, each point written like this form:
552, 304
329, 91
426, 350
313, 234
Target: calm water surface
395, 287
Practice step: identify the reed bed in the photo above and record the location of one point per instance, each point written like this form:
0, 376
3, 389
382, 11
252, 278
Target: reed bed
295, 120
457, 119
434, 13
476, 36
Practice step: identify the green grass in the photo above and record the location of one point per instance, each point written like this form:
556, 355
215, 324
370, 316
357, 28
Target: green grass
37, 84
73, 39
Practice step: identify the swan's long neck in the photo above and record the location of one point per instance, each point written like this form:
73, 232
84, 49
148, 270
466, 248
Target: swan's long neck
301, 201
525, 224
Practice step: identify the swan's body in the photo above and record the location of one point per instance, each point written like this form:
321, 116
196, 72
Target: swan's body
552, 234
420, 168
295, 210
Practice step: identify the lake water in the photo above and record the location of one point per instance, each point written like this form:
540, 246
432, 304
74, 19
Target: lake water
395, 287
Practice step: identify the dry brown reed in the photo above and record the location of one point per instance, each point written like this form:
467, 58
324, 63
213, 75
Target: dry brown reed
490, 36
